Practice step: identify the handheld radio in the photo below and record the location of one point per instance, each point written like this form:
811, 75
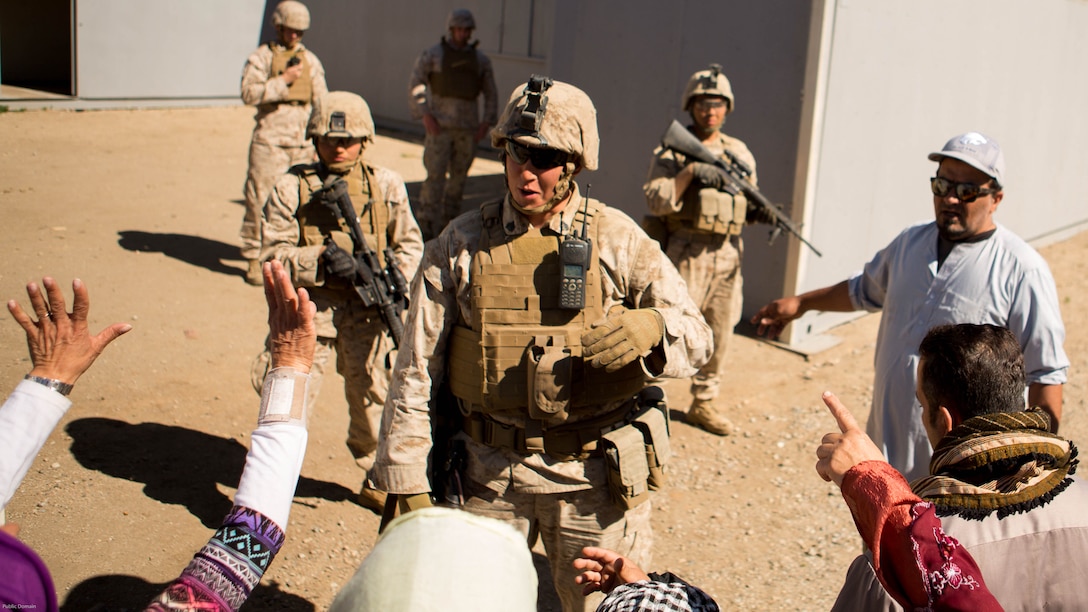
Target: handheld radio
574, 257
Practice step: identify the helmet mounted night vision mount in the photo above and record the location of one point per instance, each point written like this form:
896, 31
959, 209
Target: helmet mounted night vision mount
338, 122
536, 104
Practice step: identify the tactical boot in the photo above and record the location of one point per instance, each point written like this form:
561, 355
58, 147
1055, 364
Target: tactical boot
254, 275
702, 414
371, 499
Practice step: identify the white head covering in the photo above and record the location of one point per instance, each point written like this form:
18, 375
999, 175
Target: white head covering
443, 559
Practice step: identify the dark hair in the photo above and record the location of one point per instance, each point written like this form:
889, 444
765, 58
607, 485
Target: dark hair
972, 369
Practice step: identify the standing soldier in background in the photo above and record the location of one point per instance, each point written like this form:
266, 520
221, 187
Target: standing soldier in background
703, 222
304, 232
281, 79
548, 361
446, 83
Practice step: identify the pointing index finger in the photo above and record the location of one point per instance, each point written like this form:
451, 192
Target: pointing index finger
841, 413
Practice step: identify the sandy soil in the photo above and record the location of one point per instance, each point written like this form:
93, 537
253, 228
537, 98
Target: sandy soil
144, 206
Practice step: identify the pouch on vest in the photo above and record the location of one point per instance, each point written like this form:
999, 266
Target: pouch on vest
653, 422
628, 472
301, 89
719, 212
549, 381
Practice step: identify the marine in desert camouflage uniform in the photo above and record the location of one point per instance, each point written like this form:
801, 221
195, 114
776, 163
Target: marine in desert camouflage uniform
703, 224
444, 91
283, 95
486, 303
304, 234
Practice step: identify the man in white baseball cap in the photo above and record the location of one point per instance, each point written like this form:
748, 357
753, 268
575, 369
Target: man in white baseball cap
960, 268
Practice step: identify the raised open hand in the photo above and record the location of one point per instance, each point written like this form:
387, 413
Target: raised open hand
60, 346
291, 333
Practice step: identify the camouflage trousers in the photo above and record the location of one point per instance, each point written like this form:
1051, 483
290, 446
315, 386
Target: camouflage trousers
711, 267
447, 157
567, 522
267, 163
364, 358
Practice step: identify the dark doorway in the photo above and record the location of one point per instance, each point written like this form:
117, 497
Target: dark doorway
36, 45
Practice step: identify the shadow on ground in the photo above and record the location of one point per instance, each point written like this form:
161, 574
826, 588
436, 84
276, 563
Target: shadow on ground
120, 593
177, 465
193, 250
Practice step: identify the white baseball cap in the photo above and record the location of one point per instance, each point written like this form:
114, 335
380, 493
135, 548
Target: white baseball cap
976, 150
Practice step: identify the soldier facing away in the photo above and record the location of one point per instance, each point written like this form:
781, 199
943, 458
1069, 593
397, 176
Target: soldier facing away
547, 313
444, 91
703, 222
315, 245
282, 79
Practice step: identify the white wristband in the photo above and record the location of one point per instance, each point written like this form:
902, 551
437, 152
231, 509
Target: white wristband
283, 399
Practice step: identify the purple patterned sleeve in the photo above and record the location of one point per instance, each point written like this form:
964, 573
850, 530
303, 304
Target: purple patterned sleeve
227, 569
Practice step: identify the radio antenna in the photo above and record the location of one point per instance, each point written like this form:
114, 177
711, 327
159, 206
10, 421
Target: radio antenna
585, 209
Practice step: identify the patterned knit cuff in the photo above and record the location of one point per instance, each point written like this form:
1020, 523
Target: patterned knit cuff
227, 569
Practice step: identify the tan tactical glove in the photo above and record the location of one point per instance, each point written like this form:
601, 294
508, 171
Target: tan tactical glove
623, 338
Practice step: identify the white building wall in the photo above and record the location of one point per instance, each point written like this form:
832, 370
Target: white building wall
370, 47
162, 48
903, 78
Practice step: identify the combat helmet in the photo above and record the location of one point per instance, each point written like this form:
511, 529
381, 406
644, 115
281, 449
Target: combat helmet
709, 82
292, 14
461, 18
545, 113
341, 114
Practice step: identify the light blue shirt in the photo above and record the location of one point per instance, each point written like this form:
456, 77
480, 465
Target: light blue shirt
1000, 281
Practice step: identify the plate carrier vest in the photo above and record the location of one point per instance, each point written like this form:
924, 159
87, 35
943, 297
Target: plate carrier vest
460, 74
520, 358
317, 220
301, 90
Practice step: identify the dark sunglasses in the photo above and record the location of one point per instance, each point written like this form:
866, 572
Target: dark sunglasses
964, 192
341, 141
543, 159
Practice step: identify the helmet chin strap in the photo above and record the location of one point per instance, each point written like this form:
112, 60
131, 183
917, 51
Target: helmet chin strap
341, 167
562, 190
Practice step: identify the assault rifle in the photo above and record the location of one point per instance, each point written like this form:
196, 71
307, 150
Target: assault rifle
384, 288
679, 139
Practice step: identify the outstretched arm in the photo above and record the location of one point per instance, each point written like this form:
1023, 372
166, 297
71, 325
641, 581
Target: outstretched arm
773, 317
224, 572
918, 565
61, 349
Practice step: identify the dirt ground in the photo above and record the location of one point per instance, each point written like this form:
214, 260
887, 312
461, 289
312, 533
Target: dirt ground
144, 206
